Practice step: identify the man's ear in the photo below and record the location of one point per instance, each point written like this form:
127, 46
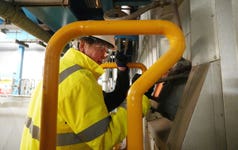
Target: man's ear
81, 45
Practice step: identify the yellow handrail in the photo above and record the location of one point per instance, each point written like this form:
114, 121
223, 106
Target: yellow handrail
130, 65
124, 27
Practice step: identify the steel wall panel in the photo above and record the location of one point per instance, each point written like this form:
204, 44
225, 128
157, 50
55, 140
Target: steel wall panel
207, 126
203, 34
227, 37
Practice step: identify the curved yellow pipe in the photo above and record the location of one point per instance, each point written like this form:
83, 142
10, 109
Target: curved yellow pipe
148, 78
129, 65
124, 27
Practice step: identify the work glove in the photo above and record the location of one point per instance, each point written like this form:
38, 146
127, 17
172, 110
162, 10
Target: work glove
145, 105
121, 59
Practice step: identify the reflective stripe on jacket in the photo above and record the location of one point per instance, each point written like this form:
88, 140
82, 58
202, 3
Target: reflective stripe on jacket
83, 121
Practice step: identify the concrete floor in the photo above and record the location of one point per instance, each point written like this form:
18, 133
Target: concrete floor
12, 117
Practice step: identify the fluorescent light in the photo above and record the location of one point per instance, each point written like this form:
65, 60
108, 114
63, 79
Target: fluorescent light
2, 35
4, 30
21, 43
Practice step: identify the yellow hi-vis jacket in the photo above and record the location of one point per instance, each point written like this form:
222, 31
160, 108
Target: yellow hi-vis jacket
83, 121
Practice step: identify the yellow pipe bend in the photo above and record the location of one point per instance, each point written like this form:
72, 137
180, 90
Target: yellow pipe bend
129, 65
124, 27
148, 78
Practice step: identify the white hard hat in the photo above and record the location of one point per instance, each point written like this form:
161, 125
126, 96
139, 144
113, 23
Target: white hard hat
106, 38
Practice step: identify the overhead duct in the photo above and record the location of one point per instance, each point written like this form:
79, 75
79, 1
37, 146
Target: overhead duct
115, 14
17, 17
40, 2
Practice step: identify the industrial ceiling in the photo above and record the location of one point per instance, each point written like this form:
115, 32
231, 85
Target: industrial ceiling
42, 18
50, 15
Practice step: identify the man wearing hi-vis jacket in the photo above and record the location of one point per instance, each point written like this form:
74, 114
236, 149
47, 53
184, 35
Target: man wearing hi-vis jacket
83, 119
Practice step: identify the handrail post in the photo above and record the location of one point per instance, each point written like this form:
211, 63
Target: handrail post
124, 27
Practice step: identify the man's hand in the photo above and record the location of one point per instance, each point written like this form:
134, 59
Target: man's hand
121, 61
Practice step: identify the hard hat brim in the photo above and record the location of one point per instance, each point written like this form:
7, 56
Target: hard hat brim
108, 39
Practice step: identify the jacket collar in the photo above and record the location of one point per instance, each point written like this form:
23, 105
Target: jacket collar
77, 57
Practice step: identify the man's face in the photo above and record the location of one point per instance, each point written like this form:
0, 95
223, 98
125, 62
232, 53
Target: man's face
97, 51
